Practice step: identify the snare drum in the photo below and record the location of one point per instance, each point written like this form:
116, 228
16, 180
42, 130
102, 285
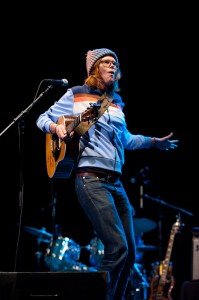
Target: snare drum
61, 251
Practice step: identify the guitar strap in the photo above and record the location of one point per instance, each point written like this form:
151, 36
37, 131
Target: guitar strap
102, 105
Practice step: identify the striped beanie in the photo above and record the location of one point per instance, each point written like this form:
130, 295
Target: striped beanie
93, 55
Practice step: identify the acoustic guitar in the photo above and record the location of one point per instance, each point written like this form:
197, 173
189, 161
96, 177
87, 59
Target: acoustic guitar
62, 154
163, 281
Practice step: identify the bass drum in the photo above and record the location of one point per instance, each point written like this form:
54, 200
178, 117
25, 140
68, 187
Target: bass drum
96, 248
62, 252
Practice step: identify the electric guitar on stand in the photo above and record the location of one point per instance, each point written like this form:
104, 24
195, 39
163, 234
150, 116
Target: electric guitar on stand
163, 281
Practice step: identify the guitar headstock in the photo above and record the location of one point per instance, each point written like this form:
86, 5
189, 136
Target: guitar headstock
177, 225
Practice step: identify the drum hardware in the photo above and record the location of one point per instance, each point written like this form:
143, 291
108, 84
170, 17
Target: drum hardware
62, 254
142, 225
38, 254
96, 249
142, 276
146, 248
42, 236
138, 283
141, 248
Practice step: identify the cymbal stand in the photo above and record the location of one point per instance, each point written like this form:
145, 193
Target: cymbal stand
54, 202
138, 288
144, 282
38, 254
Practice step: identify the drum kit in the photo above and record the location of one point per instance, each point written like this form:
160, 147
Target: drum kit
63, 253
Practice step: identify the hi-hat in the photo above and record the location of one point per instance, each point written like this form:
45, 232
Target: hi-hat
142, 225
42, 234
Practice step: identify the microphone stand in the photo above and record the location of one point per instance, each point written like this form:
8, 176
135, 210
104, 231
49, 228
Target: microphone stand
21, 127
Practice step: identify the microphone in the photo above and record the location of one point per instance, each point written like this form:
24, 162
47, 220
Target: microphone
62, 82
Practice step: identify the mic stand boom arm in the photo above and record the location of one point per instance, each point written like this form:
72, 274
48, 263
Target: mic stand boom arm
167, 204
27, 109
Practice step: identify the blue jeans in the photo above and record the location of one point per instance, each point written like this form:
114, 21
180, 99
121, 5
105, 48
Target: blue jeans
107, 206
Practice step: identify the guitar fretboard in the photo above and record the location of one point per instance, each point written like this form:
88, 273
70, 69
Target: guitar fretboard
73, 124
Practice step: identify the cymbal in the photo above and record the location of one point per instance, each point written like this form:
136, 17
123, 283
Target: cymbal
142, 225
145, 248
42, 234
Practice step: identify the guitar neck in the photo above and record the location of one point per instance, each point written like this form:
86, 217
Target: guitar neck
167, 259
72, 125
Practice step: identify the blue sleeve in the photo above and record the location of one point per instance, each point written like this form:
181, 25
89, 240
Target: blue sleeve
64, 106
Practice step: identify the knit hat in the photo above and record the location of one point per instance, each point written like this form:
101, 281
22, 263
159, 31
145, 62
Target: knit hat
93, 55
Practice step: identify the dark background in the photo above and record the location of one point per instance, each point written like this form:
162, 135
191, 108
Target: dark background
157, 54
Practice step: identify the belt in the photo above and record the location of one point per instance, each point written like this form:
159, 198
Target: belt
82, 174
108, 177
